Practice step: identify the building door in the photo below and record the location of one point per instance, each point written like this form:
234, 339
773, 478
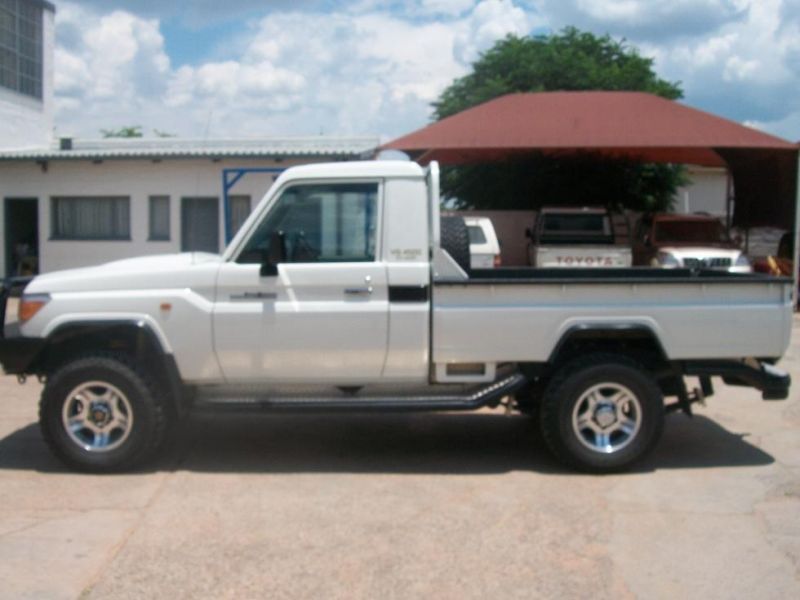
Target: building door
22, 236
200, 225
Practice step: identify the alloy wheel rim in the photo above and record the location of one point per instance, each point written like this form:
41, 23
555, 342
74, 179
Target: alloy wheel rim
607, 417
97, 416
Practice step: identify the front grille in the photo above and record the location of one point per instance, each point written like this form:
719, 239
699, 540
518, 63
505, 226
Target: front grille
707, 263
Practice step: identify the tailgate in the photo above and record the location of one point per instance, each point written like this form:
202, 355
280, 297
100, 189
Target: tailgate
583, 256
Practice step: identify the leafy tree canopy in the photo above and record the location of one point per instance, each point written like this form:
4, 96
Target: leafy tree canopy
131, 131
565, 61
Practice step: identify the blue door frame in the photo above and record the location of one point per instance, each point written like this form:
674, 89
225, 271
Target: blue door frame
230, 177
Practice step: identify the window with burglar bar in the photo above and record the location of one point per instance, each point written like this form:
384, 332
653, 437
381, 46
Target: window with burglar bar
21, 46
159, 218
91, 218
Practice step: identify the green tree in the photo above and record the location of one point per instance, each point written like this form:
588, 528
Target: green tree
565, 61
131, 131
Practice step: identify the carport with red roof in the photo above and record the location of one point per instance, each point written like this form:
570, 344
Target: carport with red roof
631, 125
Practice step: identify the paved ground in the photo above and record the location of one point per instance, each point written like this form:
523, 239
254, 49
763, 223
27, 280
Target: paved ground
445, 506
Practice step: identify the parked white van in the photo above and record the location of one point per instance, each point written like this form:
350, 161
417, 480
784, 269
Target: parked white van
484, 248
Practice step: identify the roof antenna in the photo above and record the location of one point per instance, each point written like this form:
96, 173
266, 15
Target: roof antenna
204, 146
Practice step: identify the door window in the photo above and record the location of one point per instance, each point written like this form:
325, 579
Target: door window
320, 223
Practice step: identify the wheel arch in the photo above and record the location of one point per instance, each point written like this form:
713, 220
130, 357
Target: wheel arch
637, 340
134, 338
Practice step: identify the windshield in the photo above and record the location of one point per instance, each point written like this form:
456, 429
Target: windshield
688, 232
592, 228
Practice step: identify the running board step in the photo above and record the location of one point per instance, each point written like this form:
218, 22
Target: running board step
487, 395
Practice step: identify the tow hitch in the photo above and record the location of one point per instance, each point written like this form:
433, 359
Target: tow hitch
686, 398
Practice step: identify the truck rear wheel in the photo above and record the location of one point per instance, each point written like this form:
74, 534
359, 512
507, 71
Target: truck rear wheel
601, 412
101, 414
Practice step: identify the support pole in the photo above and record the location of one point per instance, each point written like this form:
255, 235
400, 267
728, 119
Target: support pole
796, 257
226, 205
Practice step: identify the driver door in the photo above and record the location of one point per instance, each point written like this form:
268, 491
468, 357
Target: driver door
323, 318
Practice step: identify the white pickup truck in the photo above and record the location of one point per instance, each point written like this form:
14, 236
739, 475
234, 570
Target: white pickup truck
576, 237
343, 291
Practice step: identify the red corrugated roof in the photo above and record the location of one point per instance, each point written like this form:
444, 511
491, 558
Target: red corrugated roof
634, 124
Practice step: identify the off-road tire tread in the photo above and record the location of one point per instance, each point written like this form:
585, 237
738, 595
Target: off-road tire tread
139, 377
552, 397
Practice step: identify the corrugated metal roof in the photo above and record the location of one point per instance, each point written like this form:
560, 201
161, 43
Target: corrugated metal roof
156, 148
623, 123
633, 125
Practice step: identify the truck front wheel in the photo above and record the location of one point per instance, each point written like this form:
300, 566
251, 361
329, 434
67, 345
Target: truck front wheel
601, 412
101, 414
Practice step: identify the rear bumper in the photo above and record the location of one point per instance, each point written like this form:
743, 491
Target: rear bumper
773, 383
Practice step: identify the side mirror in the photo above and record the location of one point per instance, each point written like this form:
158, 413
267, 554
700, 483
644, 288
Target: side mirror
276, 254
528, 233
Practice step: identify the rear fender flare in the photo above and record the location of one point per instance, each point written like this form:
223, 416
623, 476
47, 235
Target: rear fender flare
613, 332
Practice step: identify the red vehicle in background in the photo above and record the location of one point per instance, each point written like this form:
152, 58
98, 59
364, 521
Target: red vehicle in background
697, 241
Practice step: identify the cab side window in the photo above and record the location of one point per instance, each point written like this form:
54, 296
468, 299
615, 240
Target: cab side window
320, 223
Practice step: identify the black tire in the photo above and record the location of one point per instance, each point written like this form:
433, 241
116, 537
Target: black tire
151, 416
455, 240
564, 399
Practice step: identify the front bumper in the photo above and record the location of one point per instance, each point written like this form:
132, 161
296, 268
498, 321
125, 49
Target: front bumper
18, 354
773, 383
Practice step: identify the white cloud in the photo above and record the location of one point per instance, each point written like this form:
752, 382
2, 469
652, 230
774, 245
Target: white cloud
112, 69
746, 69
372, 71
645, 18
374, 66
446, 7
488, 22
737, 58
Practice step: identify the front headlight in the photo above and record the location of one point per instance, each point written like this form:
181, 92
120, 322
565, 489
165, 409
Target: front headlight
666, 259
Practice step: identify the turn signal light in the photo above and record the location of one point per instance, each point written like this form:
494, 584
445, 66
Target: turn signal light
30, 305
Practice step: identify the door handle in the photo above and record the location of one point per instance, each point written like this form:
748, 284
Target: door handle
255, 296
365, 291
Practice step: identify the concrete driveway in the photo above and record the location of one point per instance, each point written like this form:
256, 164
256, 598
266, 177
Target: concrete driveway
446, 506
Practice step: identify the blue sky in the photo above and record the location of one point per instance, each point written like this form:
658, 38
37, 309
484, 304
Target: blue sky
237, 68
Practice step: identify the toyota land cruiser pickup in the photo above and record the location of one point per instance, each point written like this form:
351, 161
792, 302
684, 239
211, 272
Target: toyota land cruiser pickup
669, 240
576, 237
346, 290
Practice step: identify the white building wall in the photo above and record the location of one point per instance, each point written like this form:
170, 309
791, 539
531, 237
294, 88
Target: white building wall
137, 179
706, 192
26, 122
